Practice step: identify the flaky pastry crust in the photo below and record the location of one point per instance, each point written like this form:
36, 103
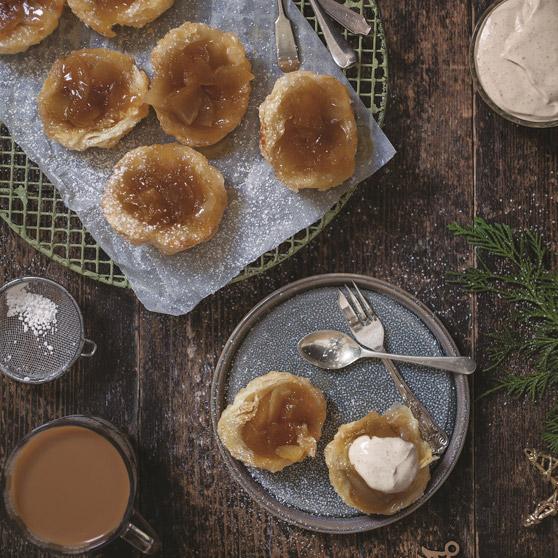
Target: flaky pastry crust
247, 427
396, 422
200, 226
108, 129
215, 81
308, 132
30, 28
130, 13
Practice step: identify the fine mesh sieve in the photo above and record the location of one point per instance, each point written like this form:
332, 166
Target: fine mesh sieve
34, 359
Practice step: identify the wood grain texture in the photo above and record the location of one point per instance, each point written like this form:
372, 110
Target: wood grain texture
105, 385
152, 374
515, 183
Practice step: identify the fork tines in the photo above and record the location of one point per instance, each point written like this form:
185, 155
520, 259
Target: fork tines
359, 304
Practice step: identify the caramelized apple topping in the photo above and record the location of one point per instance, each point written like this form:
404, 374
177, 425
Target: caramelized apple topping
108, 8
18, 12
284, 424
313, 132
103, 15
201, 85
308, 131
92, 98
197, 86
166, 195
275, 421
92, 89
162, 192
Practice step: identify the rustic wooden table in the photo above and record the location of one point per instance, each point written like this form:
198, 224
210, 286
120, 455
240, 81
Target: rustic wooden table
152, 374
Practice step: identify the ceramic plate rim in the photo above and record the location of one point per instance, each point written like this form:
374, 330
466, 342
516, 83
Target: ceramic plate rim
238, 470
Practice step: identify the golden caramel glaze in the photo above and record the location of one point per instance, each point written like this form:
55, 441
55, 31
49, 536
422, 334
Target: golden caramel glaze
308, 131
12, 14
275, 421
92, 97
283, 415
168, 196
103, 15
107, 7
201, 84
27, 22
93, 90
312, 131
396, 422
162, 193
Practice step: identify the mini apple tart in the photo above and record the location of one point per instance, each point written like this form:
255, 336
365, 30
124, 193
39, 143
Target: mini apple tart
379, 464
167, 195
92, 98
24, 23
201, 83
308, 132
103, 15
275, 421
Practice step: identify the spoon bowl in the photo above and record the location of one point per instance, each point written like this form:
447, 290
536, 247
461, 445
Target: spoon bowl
329, 349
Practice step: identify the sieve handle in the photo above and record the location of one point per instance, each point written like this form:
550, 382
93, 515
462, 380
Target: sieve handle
92, 349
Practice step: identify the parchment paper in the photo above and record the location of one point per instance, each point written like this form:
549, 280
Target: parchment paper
261, 212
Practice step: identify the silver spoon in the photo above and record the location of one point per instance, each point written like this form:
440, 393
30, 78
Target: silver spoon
341, 52
334, 350
349, 19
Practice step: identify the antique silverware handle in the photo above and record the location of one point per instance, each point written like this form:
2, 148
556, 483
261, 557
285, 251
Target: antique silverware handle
459, 365
341, 52
431, 433
349, 19
287, 55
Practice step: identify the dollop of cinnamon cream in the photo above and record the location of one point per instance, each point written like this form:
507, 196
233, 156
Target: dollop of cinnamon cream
516, 58
388, 465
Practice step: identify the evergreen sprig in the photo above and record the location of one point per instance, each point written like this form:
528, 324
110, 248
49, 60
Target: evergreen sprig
515, 267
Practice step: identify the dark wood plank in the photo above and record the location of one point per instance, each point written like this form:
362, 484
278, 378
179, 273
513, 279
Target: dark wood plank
105, 385
515, 184
395, 227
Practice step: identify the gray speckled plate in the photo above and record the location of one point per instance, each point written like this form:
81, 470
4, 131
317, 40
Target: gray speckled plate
266, 339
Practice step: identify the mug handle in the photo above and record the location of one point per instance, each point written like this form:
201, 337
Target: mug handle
141, 535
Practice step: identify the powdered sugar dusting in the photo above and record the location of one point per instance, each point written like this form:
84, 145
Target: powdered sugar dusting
261, 213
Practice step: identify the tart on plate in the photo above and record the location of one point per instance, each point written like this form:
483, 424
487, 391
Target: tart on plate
24, 23
167, 195
103, 15
308, 132
92, 98
201, 83
275, 421
380, 463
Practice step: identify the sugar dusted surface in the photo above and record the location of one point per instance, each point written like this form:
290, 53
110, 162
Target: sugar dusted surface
261, 212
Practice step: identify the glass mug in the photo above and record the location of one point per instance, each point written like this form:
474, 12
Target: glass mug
132, 528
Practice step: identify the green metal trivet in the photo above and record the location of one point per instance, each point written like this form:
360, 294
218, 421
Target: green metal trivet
32, 207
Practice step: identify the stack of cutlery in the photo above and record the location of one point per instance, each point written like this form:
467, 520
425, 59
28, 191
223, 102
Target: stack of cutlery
342, 53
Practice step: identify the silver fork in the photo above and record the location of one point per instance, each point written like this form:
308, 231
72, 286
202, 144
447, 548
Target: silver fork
369, 331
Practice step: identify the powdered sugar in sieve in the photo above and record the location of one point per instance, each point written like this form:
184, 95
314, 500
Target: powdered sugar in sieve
36, 313
41, 330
